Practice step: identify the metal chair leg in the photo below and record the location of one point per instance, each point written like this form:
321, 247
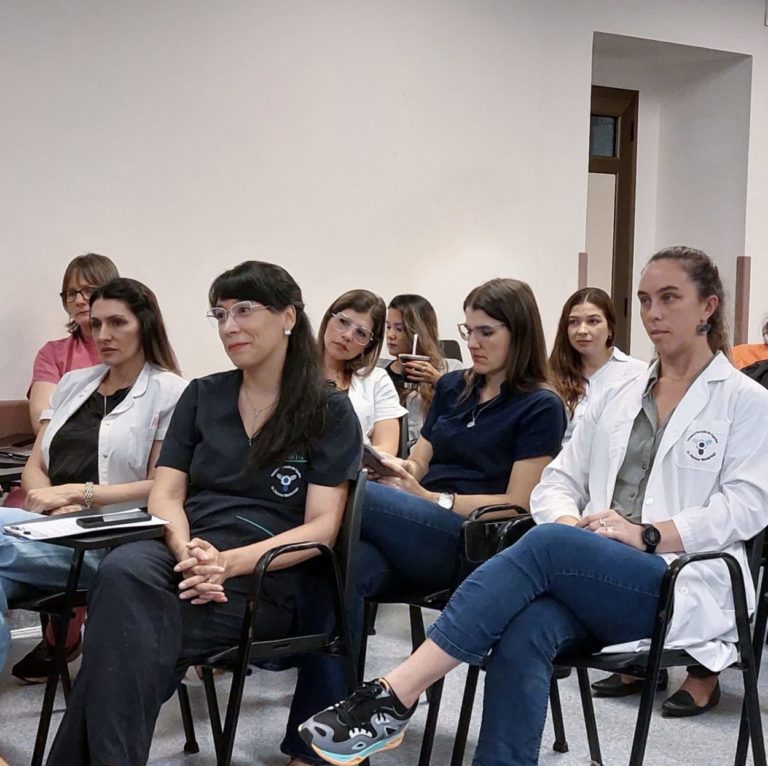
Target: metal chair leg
589, 717
465, 716
213, 711
190, 740
560, 744
434, 696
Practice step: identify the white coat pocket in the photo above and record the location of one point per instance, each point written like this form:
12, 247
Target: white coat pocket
139, 446
703, 446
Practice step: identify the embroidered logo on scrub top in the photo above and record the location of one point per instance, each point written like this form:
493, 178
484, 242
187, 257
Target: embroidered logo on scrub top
701, 446
285, 481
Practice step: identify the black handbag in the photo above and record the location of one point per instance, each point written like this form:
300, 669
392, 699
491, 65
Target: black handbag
484, 538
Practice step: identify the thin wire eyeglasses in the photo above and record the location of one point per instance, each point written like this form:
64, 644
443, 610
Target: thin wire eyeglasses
482, 332
70, 296
241, 312
361, 335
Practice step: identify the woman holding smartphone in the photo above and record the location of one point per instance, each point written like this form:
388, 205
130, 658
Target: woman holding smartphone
415, 373
488, 435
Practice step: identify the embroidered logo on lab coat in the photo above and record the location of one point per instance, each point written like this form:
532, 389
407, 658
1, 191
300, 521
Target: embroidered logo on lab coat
285, 481
701, 446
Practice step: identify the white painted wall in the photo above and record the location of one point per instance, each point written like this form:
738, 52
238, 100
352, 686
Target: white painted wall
419, 145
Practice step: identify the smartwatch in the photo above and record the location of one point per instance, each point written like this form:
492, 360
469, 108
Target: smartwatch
446, 500
651, 537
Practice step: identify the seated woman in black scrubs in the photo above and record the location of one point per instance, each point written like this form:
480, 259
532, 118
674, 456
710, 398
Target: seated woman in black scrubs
254, 458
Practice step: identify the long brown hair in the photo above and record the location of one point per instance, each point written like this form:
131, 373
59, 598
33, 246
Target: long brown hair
361, 301
92, 268
512, 302
565, 362
143, 303
419, 318
702, 271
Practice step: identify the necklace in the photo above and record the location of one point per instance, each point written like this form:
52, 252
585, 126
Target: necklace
257, 411
478, 410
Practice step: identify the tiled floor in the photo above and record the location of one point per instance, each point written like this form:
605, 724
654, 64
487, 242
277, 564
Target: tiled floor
705, 741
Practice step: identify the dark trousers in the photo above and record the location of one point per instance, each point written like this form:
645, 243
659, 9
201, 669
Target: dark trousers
140, 637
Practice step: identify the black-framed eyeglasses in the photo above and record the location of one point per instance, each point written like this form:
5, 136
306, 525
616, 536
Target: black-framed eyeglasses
241, 312
70, 295
481, 332
360, 335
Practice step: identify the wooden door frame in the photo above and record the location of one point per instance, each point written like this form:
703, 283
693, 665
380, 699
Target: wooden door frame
622, 104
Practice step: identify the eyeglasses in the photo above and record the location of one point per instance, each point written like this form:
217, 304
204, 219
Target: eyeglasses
481, 332
70, 296
241, 312
342, 323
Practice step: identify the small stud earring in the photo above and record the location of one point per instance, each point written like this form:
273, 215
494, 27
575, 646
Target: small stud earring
286, 332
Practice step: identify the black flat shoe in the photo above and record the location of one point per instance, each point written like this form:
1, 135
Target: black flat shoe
681, 704
613, 686
36, 666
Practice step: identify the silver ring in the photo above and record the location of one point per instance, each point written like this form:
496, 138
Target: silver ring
602, 523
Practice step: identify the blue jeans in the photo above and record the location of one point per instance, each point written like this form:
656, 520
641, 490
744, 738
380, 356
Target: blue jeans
558, 589
408, 545
31, 569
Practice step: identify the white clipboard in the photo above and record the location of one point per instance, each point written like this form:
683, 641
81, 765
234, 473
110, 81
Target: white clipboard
66, 525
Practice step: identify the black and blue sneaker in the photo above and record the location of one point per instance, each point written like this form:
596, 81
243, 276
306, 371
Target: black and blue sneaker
371, 720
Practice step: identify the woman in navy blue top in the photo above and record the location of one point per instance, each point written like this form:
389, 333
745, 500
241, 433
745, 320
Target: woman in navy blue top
489, 433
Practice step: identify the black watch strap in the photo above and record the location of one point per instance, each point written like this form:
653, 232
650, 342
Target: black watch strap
651, 538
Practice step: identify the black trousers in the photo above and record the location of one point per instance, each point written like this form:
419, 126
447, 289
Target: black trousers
139, 639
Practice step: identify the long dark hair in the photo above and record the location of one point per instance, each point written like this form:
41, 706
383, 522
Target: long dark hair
300, 411
143, 303
362, 301
92, 268
702, 271
512, 302
419, 318
565, 362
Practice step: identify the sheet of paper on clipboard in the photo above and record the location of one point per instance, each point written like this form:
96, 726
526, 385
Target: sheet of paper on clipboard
71, 525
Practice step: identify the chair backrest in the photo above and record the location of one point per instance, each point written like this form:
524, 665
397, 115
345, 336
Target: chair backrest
451, 349
347, 543
402, 447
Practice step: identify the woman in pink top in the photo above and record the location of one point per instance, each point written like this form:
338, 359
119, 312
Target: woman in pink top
77, 350
57, 357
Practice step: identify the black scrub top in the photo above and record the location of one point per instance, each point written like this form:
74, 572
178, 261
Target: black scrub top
229, 503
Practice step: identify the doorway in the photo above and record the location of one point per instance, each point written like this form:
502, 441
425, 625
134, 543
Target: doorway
611, 199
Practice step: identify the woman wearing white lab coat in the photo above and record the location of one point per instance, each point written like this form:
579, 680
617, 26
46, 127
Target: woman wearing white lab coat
584, 361
675, 464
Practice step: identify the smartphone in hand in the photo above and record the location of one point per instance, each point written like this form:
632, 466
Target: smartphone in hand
375, 462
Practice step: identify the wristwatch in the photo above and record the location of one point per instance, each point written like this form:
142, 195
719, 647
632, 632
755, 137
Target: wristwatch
446, 500
651, 537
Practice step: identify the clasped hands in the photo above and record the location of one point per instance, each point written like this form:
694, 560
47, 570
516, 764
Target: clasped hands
614, 526
205, 569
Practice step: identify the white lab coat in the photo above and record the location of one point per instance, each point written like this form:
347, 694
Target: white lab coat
613, 374
710, 476
127, 433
